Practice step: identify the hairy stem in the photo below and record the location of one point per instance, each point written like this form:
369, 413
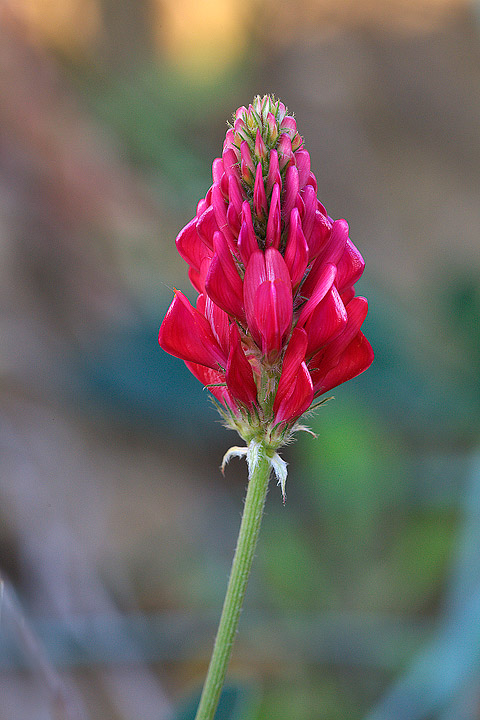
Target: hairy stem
259, 475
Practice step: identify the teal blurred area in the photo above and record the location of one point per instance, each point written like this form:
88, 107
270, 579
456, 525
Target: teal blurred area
116, 525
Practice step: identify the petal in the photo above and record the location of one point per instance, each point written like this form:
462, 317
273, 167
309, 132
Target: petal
324, 281
255, 275
247, 241
223, 283
309, 198
295, 389
296, 250
326, 322
284, 149
259, 198
219, 322
350, 267
355, 359
239, 375
320, 235
273, 314
207, 226
220, 211
190, 246
357, 311
230, 162
335, 247
294, 356
246, 164
291, 190
260, 147
186, 334
273, 172
274, 217
302, 160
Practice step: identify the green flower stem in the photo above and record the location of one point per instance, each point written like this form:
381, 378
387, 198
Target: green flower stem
259, 476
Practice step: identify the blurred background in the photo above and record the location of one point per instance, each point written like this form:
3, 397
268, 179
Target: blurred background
116, 526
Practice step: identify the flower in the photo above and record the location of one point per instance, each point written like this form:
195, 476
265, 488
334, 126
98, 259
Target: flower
276, 322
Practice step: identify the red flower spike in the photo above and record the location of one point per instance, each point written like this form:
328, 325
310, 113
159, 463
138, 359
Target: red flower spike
239, 375
186, 334
275, 276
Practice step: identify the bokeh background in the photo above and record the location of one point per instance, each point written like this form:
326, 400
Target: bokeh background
116, 525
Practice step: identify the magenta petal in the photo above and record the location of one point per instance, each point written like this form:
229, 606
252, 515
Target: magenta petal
273, 314
296, 250
235, 193
223, 283
302, 160
220, 211
355, 359
273, 172
247, 166
219, 322
357, 312
350, 267
247, 241
289, 126
259, 198
255, 275
214, 381
274, 218
207, 226
186, 334
295, 389
260, 147
294, 356
239, 374
324, 282
300, 398
326, 322
218, 170
310, 207
320, 235
335, 247
190, 245
291, 190
276, 267
230, 162
284, 149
